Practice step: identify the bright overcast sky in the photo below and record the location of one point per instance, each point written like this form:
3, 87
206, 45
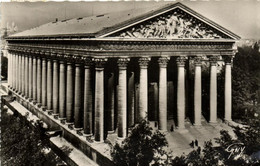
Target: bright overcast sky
240, 16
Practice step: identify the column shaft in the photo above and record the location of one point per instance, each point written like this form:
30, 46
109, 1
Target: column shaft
88, 107
78, 97
9, 75
213, 92
143, 89
20, 73
26, 76
163, 94
111, 104
23, 75
62, 90
17, 79
197, 94
122, 98
30, 77
44, 83
49, 85
34, 79
69, 94
55, 87
181, 93
99, 100
13, 70
99, 105
39, 80
228, 92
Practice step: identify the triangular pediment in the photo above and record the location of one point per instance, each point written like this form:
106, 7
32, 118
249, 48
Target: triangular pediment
177, 22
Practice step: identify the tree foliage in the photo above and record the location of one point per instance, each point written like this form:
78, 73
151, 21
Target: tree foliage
22, 144
142, 147
246, 79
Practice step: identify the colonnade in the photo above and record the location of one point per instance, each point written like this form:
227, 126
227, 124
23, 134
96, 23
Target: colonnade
54, 83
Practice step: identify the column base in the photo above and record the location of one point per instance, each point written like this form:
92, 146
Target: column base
197, 124
43, 108
87, 135
39, 105
79, 131
34, 102
30, 99
89, 138
213, 122
56, 116
70, 125
111, 132
50, 112
120, 138
62, 120
98, 142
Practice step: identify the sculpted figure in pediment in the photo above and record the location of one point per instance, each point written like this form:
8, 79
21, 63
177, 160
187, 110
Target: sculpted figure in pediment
171, 26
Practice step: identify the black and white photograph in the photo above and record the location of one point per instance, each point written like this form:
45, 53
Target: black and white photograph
130, 83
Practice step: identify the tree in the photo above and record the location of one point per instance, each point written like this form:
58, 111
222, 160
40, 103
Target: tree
141, 148
23, 145
246, 80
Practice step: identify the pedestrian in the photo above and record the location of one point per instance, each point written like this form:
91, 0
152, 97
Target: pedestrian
196, 142
192, 144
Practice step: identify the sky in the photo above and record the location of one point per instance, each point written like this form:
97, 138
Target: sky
239, 16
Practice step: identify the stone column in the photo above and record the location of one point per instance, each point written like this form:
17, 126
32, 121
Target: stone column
69, 93
163, 61
20, 73
228, 88
13, 70
88, 106
39, 79
143, 92
55, 86
26, 77
17, 79
197, 92
213, 89
77, 102
34, 78
111, 104
181, 92
49, 84
23, 75
99, 99
131, 100
44, 82
30, 77
62, 90
9, 66
122, 98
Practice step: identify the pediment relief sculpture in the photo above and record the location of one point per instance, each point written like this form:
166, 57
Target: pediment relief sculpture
174, 25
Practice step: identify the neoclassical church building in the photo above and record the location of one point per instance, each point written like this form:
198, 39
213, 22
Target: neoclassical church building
97, 76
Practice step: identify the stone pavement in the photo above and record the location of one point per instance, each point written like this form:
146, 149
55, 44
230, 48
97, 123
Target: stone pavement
179, 140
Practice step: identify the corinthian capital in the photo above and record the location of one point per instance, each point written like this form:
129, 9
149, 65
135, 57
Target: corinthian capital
197, 60
143, 62
99, 62
213, 60
181, 60
163, 61
122, 62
